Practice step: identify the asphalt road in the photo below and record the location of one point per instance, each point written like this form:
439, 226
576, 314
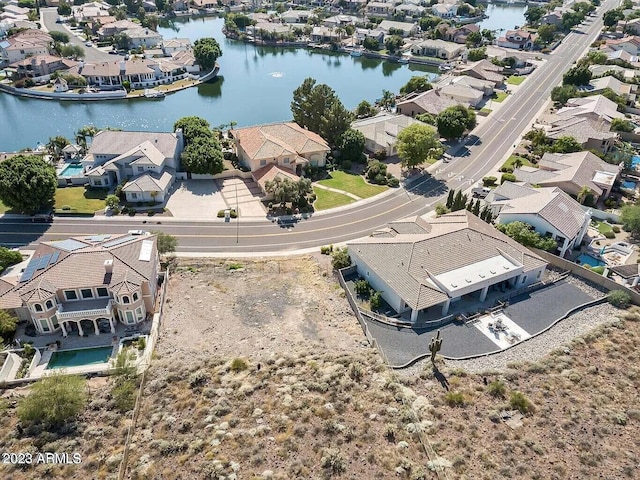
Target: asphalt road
92, 54
485, 147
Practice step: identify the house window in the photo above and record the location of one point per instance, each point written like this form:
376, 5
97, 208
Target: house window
70, 295
286, 160
97, 182
135, 296
134, 195
129, 316
102, 292
539, 274
54, 322
263, 163
125, 299
139, 313
37, 307
141, 169
49, 304
524, 279
86, 293
44, 325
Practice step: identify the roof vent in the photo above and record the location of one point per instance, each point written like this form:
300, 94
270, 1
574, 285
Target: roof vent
468, 280
506, 267
493, 272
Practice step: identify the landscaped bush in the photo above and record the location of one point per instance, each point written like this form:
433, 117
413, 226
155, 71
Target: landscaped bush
362, 287
232, 213
340, 258
393, 182
346, 165
375, 301
610, 234
619, 298
616, 229
506, 169
507, 177
489, 181
326, 250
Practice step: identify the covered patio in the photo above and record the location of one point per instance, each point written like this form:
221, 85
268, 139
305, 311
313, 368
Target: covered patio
86, 316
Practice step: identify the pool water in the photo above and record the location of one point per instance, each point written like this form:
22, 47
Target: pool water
589, 260
76, 358
635, 161
72, 170
629, 185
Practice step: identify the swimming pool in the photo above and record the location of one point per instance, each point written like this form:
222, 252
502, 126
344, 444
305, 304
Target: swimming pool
585, 259
79, 357
635, 161
72, 170
629, 185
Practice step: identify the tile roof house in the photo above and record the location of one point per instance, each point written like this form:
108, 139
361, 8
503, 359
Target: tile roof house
427, 264
626, 90
379, 9
629, 44
143, 37
85, 285
518, 39
457, 34
110, 29
40, 67
572, 171
286, 145
25, 44
437, 48
599, 70
381, 131
146, 160
140, 73
432, 101
408, 29
445, 10
484, 70
549, 210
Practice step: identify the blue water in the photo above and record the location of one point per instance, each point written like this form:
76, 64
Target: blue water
82, 356
635, 161
589, 260
628, 184
71, 170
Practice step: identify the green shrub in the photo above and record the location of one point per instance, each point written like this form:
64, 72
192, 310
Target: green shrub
362, 287
441, 209
69, 392
376, 300
326, 250
609, 234
455, 399
235, 266
393, 182
507, 177
142, 343
124, 395
520, 402
619, 298
346, 165
497, 389
616, 229
198, 379
239, 364
340, 258
489, 181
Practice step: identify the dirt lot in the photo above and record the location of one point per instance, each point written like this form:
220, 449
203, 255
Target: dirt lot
259, 308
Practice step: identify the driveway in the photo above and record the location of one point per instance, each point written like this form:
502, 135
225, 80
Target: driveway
196, 199
245, 194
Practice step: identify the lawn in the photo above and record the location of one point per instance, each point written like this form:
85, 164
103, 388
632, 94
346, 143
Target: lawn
326, 199
512, 159
80, 199
3, 208
604, 227
499, 97
515, 80
352, 183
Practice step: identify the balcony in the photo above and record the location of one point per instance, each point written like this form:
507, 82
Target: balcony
85, 308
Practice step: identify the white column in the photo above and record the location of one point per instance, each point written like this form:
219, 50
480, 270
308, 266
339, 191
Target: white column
414, 315
64, 330
80, 332
483, 293
113, 329
445, 307
95, 327
635, 282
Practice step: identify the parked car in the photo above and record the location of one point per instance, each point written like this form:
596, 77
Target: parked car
138, 232
88, 44
42, 216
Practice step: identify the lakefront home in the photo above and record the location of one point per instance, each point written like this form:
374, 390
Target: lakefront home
85, 285
518, 39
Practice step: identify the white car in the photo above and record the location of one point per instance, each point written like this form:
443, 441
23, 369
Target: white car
138, 232
88, 44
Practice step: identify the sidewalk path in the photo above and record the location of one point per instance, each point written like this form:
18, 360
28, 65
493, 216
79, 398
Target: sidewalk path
336, 190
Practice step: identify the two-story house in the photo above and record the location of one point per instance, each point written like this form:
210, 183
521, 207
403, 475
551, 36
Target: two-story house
518, 39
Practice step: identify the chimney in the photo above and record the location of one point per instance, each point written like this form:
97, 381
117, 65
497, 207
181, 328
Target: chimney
108, 266
123, 66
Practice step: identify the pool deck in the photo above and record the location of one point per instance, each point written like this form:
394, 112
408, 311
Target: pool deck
41, 369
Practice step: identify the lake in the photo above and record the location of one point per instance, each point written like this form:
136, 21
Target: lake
255, 86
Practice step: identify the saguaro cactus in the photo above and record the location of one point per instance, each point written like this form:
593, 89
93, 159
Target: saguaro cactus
434, 346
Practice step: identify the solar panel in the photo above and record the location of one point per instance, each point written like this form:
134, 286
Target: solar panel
69, 244
98, 238
54, 258
30, 270
118, 241
43, 261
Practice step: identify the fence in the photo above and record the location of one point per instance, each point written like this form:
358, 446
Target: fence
587, 274
218, 176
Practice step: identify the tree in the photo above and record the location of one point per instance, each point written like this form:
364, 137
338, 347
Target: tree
611, 17
122, 41
622, 125
365, 109
60, 37
335, 122
7, 325
416, 84
476, 54
583, 7
206, 51
192, 127
546, 33
203, 155
371, 44
27, 183
524, 234
388, 100
593, 57
583, 194
630, 216
352, 145
55, 145
393, 43
426, 118
54, 400
562, 94
340, 258
474, 39
450, 197
64, 9
453, 121
488, 35
166, 243
579, 75
286, 190
112, 201
151, 22
418, 143
619, 298
566, 144
83, 133
571, 19
429, 22
9, 257
533, 14
73, 51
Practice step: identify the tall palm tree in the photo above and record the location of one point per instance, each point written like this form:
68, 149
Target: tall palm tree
583, 194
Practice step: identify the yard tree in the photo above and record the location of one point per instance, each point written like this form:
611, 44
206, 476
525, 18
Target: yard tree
418, 143
371, 43
192, 127
388, 100
206, 51
7, 325
283, 190
546, 33
53, 401
611, 17
622, 125
60, 37
488, 35
55, 145
594, 57
566, 144
474, 39
393, 43
416, 84
83, 133
64, 9
365, 109
453, 121
112, 201
203, 155
571, 19
476, 54
630, 216
166, 243
352, 145
340, 258
426, 118
428, 22
335, 122
27, 183
122, 41
580, 75
524, 234
533, 14
8, 257
583, 7
562, 94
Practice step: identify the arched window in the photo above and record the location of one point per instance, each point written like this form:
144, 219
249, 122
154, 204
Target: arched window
49, 304
135, 296
125, 299
37, 307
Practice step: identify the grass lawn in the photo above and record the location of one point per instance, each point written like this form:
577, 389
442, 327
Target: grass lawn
352, 183
3, 208
515, 79
500, 96
326, 199
513, 158
80, 198
604, 227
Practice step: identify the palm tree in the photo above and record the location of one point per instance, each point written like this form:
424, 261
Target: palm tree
517, 163
83, 133
583, 194
388, 100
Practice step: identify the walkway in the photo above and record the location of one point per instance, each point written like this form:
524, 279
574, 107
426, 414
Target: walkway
336, 190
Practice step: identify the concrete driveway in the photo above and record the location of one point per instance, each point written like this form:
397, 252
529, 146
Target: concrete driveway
244, 193
196, 199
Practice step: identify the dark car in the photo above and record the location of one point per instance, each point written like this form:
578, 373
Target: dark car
42, 216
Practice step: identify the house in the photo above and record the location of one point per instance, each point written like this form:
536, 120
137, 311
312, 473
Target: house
381, 131
549, 210
90, 11
342, 21
169, 47
457, 34
626, 90
60, 85
570, 172
149, 6
285, 144
379, 9
407, 29
484, 86
146, 161
518, 39
325, 35
297, 16
186, 60
71, 151
40, 67
445, 10
86, 285
432, 101
484, 70
361, 34
437, 49
110, 29
552, 18
621, 55
630, 44
629, 26
142, 37
600, 70
464, 91
410, 10
427, 265
27, 43
140, 73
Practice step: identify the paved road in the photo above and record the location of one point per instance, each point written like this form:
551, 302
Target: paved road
92, 54
486, 146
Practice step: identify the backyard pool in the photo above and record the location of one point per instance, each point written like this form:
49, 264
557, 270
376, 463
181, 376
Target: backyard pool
79, 357
629, 185
71, 170
635, 161
586, 259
